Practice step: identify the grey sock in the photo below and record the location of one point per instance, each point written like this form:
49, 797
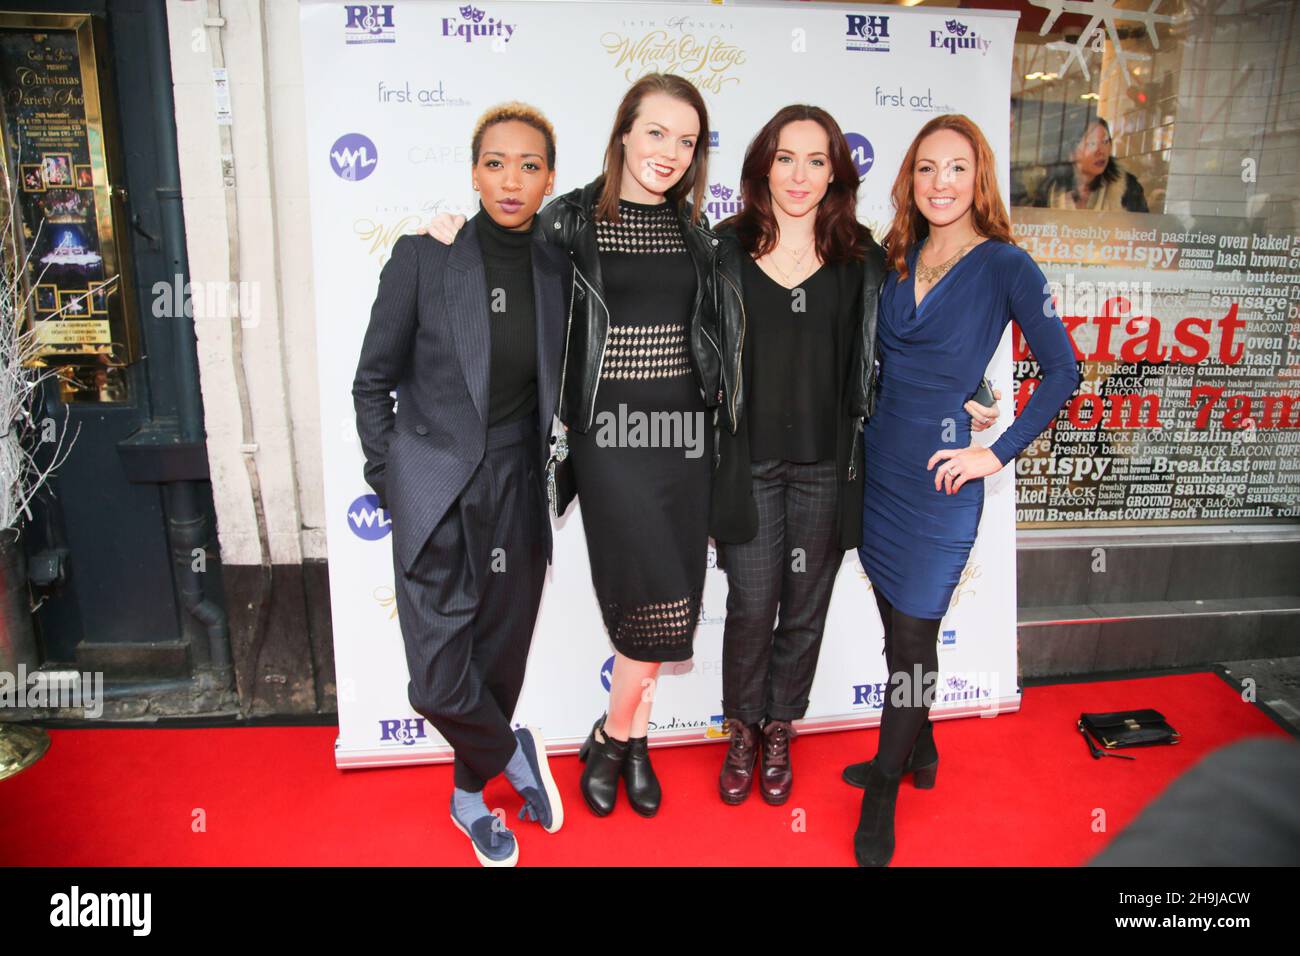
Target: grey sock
469, 805
520, 773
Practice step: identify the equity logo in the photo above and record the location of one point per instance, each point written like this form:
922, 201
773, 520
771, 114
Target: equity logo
607, 672
353, 156
474, 24
721, 202
959, 688
369, 23
864, 156
956, 36
367, 519
867, 33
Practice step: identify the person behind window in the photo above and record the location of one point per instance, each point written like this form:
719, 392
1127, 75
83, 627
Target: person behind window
1094, 179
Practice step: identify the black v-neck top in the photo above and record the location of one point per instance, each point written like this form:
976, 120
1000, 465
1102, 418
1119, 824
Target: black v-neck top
793, 405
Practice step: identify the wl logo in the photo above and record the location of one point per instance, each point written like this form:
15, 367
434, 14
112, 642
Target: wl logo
367, 519
405, 731
353, 156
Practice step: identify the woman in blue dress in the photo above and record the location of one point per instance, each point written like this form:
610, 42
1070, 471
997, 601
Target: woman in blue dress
957, 280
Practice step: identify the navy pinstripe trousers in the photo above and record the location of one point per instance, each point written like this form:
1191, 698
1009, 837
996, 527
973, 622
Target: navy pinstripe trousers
468, 606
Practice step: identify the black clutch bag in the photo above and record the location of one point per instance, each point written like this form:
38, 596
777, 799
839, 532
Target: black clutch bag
1128, 728
561, 488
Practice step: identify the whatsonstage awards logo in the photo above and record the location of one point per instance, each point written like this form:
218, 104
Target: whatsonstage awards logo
867, 33
475, 24
864, 156
707, 60
369, 23
353, 157
607, 673
720, 202
367, 519
956, 37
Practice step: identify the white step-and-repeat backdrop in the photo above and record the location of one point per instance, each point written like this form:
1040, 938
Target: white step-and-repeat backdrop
392, 92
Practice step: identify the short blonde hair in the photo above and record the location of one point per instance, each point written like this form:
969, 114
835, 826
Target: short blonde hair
518, 112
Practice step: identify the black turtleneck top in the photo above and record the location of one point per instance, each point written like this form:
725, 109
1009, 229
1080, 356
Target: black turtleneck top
508, 265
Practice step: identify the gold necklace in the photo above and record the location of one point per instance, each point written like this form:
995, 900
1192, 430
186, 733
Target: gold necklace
932, 274
797, 263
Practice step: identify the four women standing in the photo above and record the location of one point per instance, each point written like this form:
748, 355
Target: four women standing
771, 323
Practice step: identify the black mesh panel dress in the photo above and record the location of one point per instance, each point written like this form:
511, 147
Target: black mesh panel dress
645, 509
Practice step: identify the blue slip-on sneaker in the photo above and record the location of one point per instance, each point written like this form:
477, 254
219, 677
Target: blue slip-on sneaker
494, 845
543, 805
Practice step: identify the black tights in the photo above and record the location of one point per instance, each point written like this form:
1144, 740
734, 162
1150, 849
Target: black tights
908, 641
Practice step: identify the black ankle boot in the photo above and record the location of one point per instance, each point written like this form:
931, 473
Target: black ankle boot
922, 763
873, 843
604, 757
643, 790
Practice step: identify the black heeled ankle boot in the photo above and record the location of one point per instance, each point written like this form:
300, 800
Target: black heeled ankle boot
873, 843
604, 758
922, 763
643, 790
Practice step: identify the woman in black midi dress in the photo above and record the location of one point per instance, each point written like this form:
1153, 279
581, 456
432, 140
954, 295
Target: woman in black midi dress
644, 495
643, 366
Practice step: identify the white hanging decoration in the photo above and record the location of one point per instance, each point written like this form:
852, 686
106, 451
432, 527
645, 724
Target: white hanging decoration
1103, 17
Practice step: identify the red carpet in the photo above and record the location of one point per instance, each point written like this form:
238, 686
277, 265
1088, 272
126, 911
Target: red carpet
1019, 789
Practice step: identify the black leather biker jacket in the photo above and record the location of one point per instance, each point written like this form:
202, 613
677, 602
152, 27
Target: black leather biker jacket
569, 221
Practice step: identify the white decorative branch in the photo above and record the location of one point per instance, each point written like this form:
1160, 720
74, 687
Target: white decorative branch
21, 379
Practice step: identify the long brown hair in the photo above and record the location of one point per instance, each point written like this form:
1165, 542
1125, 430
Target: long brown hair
988, 214
838, 234
696, 176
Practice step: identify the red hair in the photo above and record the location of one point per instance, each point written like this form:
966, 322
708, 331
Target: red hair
837, 232
988, 214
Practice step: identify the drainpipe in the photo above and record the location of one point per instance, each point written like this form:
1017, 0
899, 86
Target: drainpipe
187, 524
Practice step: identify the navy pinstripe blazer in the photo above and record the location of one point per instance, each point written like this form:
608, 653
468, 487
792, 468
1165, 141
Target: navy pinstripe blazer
429, 339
